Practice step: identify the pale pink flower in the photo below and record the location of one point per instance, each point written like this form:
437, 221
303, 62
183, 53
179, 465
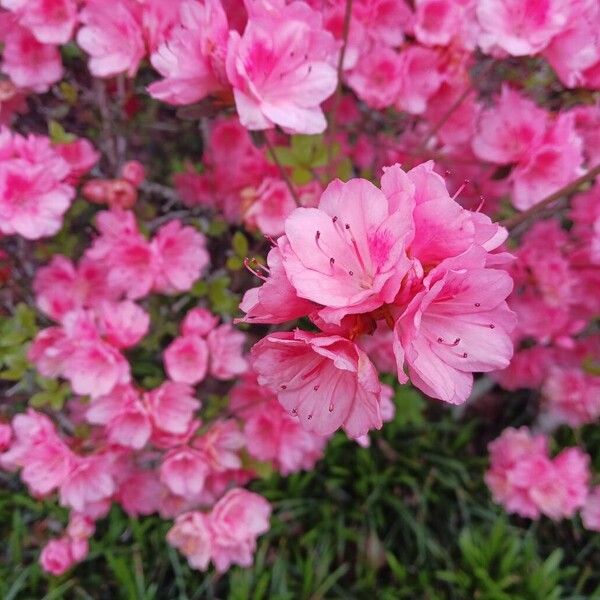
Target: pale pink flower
276, 300
572, 397
281, 69
56, 557
420, 78
139, 493
549, 166
573, 472
221, 444
520, 27
590, 513
181, 257
271, 433
89, 481
113, 37
79, 530
186, 359
236, 520
50, 21
80, 155
509, 130
327, 382
271, 204
171, 407
377, 77
29, 63
225, 346
122, 324
192, 536
458, 324
199, 321
183, 471
192, 59
349, 254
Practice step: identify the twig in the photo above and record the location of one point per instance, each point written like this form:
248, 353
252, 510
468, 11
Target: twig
338, 91
566, 190
282, 171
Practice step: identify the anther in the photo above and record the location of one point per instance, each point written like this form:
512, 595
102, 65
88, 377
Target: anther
316, 388
283, 387
477, 304
334, 219
331, 408
332, 261
309, 417
350, 273
464, 355
318, 235
492, 326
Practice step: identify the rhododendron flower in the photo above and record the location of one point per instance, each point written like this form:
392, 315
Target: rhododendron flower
56, 557
199, 322
526, 481
183, 471
271, 433
420, 78
590, 513
227, 534
80, 155
349, 254
192, 60
270, 206
225, 346
50, 21
281, 69
458, 324
139, 493
28, 62
520, 27
572, 397
186, 359
377, 77
89, 481
507, 131
327, 382
112, 36
440, 22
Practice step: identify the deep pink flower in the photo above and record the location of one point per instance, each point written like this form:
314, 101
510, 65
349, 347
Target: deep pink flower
520, 27
199, 322
226, 347
186, 359
458, 324
325, 381
349, 254
50, 21
56, 557
28, 62
281, 69
271, 204
192, 59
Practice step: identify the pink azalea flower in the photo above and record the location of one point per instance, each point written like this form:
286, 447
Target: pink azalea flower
80, 155
122, 324
186, 359
134, 172
327, 382
199, 321
440, 22
50, 21
552, 164
349, 254
183, 471
192, 59
270, 207
377, 77
171, 407
5, 437
572, 397
88, 482
271, 433
281, 69
520, 27
181, 257
221, 445
191, 535
236, 520
113, 37
276, 300
590, 513
508, 131
56, 557
458, 324
29, 63
139, 493
226, 348
420, 78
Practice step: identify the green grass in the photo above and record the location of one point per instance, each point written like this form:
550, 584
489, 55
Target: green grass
408, 518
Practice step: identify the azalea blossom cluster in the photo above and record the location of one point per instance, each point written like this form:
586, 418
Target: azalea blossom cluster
365, 161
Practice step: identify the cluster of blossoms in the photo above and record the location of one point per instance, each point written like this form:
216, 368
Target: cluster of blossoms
406, 278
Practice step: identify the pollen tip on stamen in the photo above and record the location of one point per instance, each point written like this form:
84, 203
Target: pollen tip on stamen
492, 326
334, 219
440, 340
331, 408
465, 355
477, 304
309, 417
347, 226
332, 261
317, 235
294, 411
283, 387
351, 273
316, 388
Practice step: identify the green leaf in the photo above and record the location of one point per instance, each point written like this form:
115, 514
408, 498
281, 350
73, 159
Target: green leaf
57, 133
239, 243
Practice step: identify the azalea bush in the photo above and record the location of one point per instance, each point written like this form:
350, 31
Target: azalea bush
262, 258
